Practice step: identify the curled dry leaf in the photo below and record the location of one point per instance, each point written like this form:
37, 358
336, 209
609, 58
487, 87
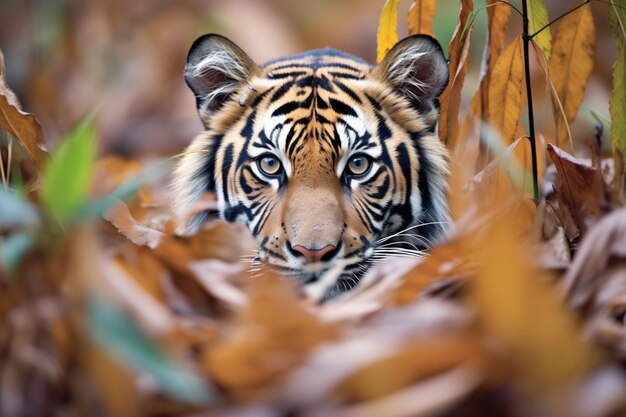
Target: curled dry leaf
134, 231
22, 125
581, 189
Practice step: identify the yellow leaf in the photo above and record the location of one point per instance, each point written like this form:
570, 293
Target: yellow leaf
538, 19
421, 15
498, 17
505, 92
450, 100
387, 28
571, 65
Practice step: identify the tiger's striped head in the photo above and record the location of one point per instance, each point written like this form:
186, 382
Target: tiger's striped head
326, 159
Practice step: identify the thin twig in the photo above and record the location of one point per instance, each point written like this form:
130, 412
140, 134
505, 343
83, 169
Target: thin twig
531, 119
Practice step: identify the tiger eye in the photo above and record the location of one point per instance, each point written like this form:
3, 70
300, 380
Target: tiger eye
270, 165
358, 165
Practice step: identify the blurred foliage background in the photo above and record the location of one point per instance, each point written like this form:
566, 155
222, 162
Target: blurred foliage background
66, 58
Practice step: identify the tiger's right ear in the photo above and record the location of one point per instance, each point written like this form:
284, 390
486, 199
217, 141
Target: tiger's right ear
216, 68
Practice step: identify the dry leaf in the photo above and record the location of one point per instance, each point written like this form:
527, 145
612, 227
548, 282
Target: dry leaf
505, 92
516, 306
136, 232
23, 126
498, 14
444, 262
605, 240
268, 338
421, 359
421, 15
451, 98
581, 186
571, 64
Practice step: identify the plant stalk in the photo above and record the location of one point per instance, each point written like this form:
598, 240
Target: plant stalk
526, 38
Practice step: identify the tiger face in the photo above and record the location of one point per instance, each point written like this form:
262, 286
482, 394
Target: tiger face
330, 162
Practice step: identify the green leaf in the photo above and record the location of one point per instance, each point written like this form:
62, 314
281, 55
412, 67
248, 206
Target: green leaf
617, 102
66, 180
537, 19
16, 211
13, 249
115, 331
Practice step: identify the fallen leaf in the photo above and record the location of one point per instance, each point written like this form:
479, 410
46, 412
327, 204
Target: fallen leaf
421, 359
267, 339
134, 231
443, 262
604, 241
517, 307
571, 64
387, 28
420, 18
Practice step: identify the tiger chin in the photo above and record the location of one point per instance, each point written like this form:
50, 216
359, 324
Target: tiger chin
331, 163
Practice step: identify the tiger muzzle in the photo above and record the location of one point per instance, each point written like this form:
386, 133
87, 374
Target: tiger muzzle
313, 224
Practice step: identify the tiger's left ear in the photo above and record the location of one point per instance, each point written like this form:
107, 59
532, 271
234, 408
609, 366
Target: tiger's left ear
417, 68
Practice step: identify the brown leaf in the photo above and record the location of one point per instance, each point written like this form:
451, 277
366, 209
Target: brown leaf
505, 92
267, 339
420, 18
581, 186
23, 126
451, 98
134, 231
421, 359
515, 306
498, 14
570, 65
443, 262
604, 241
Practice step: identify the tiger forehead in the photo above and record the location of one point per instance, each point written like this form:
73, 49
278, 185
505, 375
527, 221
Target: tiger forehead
327, 60
314, 92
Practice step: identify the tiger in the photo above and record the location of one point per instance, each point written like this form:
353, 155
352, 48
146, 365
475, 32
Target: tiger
331, 163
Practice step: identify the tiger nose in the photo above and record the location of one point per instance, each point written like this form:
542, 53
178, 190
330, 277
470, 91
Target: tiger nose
314, 255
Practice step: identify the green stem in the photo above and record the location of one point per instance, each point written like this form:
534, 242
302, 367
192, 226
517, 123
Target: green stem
531, 118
